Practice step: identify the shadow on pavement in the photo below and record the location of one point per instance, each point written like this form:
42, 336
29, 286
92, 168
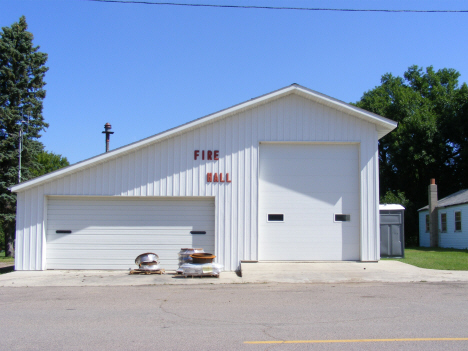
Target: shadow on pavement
7, 269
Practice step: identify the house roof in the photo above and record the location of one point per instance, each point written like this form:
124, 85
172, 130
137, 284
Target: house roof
383, 126
391, 207
458, 198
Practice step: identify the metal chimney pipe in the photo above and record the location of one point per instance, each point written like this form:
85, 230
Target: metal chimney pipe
107, 128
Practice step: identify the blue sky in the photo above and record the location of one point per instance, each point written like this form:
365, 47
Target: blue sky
146, 69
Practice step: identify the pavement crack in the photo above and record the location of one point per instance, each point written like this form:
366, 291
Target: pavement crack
266, 331
164, 310
197, 320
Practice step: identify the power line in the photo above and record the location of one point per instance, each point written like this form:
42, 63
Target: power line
273, 7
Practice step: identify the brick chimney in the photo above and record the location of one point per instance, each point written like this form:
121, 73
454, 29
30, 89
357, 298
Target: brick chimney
433, 218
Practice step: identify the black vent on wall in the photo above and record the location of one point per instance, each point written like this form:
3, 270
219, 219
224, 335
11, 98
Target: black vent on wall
342, 218
275, 218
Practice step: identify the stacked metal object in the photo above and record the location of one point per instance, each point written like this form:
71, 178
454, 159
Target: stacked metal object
198, 264
185, 257
192, 262
148, 262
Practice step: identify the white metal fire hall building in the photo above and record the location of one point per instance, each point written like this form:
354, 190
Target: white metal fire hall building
289, 176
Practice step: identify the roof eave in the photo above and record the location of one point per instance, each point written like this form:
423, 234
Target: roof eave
383, 126
133, 146
425, 208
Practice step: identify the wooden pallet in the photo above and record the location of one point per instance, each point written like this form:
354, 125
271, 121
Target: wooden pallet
201, 275
144, 271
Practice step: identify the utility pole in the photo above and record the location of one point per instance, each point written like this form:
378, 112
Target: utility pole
20, 149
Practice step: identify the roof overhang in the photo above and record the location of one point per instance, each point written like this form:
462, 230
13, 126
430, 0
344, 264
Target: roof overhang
383, 127
390, 207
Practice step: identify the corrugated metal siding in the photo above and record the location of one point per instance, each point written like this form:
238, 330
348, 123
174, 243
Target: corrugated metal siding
167, 168
451, 238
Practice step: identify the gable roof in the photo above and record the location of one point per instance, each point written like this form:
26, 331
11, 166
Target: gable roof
383, 126
386, 207
458, 198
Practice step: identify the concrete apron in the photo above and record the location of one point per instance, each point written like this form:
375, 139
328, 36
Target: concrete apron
344, 272
261, 272
105, 278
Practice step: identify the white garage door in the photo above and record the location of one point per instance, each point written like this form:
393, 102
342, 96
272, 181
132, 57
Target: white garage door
109, 233
306, 186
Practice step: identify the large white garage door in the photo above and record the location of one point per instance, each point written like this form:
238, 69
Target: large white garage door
109, 233
302, 188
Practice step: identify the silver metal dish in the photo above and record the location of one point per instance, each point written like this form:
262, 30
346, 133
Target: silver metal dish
146, 258
150, 267
184, 255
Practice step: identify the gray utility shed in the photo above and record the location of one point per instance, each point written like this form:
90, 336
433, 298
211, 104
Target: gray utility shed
392, 233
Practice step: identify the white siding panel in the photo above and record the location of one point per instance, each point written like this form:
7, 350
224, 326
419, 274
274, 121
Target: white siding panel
37, 237
27, 231
424, 237
20, 226
162, 169
452, 238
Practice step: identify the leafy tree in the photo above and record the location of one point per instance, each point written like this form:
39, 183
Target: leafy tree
49, 162
395, 198
2, 237
431, 140
22, 69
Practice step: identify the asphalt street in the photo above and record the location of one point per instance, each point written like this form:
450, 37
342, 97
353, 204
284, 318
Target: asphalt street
274, 316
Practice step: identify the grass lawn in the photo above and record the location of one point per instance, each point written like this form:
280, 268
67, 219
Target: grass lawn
436, 258
5, 259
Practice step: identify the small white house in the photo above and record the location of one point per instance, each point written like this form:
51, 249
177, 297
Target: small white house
290, 175
452, 217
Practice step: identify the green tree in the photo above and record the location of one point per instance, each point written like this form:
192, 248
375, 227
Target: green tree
22, 70
431, 140
2, 237
49, 162
395, 198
